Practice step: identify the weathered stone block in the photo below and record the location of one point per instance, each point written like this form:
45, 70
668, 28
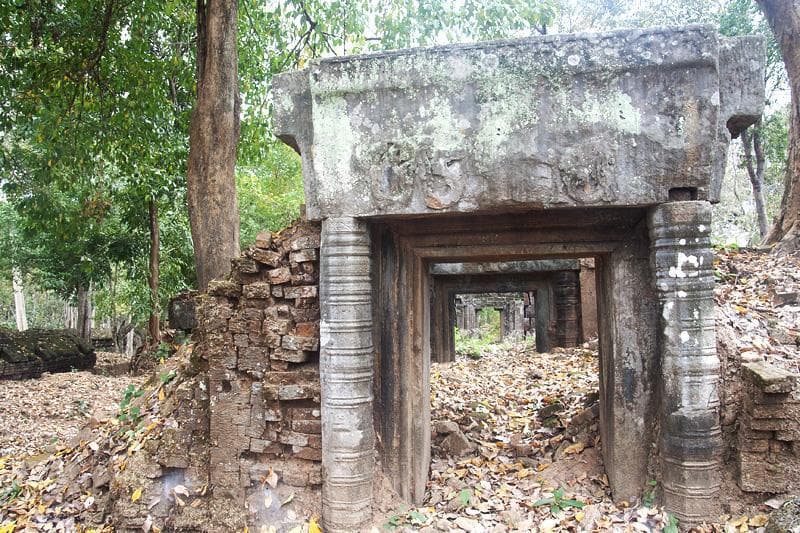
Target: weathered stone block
313, 427
278, 311
277, 326
307, 329
309, 454
279, 275
307, 291
241, 340
767, 424
293, 438
305, 242
784, 410
302, 278
303, 413
278, 366
293, 342
221, 287
769, 378
292, 392
254, 358
264, 240
267, 257
259, 289
303, 256
753, 445
289, 355
309, 314
790, 434
245, 265
264, 446
455, 159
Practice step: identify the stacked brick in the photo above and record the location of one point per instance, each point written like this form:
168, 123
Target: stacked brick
768, 454
259, 331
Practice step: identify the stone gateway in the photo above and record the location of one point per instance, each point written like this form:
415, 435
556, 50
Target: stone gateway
608, 146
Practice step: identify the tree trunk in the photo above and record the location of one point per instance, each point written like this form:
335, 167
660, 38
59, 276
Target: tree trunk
70, 316
155, 311
752, 143
84, 323
19, 300
213, 136
784, 19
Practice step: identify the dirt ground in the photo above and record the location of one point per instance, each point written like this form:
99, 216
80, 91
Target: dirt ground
40, 414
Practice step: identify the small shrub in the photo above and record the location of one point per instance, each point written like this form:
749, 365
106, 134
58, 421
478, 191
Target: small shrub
558, 503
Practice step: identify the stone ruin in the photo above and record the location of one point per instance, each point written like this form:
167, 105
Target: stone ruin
609, 146
510, 307
547, 301
27, 354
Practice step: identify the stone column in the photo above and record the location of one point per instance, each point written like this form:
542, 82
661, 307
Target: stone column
506, 321
346, 365
567, 304
690, 432
519, 319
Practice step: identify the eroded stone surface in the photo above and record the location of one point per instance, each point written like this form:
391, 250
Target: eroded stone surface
617, 118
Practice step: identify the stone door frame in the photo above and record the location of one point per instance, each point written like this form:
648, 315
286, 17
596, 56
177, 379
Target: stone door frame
653, 289
445, 288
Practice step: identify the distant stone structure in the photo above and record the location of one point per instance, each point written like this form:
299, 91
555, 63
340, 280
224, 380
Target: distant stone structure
510, 305
27, 354
546, 306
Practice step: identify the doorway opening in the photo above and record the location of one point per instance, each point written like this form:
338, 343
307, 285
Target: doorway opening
420, 266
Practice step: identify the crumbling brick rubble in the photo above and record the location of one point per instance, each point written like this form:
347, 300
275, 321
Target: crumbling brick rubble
768, 451
245, 437
259, 333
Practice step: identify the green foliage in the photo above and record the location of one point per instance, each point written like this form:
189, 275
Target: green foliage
558, 503
471, 345
489, 323
475, 343
672, 524
405, 517
649, 497
164, 351
10, 493
270, 194
166, 377
127, 412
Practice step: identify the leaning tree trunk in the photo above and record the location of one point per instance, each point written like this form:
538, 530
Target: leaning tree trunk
19, 300
752, 143
213, 136
154, 326
784, 19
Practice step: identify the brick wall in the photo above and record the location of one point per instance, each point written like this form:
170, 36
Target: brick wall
768, 451
259, 331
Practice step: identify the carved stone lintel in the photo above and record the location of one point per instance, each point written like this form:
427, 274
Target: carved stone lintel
346, 359
690, 433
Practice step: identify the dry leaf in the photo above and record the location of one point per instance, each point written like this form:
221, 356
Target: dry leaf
313, 527
574, 448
